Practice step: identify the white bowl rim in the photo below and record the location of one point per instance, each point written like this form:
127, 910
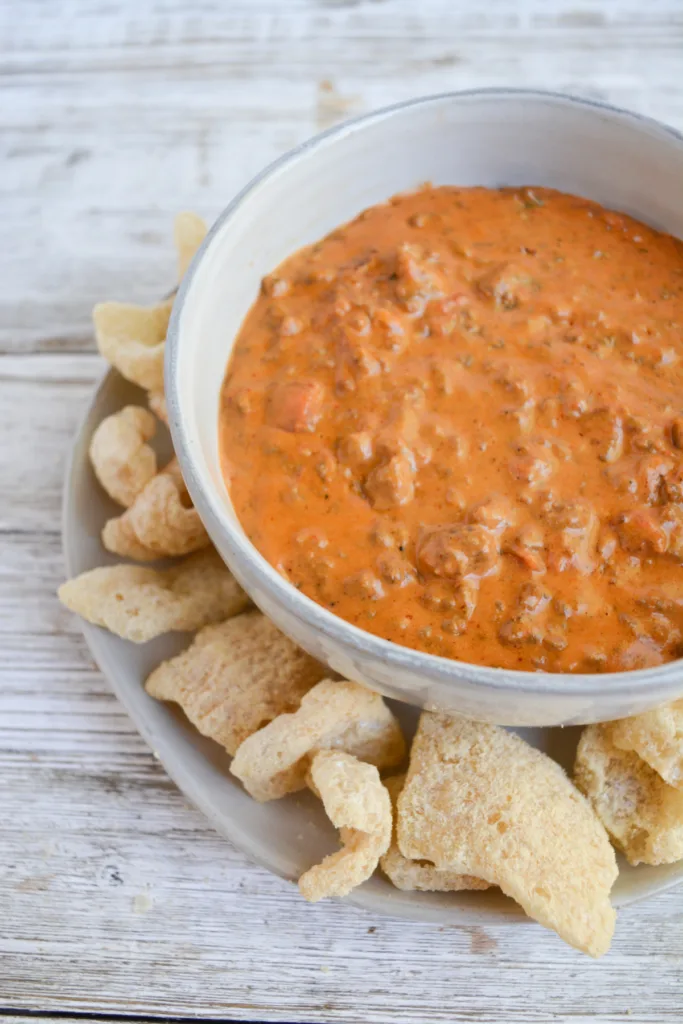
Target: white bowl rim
211, 506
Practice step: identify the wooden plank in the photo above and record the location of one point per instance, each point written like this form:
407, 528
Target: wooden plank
42, 400
117, 120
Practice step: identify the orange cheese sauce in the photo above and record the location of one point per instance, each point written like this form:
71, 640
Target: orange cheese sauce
457, 422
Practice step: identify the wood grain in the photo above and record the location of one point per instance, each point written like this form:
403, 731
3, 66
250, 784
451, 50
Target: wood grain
114, 120
115, 896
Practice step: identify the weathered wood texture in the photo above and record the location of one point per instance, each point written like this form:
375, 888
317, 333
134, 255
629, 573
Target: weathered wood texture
116, 897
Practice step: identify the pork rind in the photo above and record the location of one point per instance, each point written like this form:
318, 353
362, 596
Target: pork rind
161, 522
236, 677
333, 715
480, 801
357, 803
139, 603
420, 875
641, 812
121, 458
157, 403
657, 737
132, 339
119, 537
189, 231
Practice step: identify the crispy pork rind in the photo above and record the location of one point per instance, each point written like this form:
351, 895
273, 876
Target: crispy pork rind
338, 715
139, 603
157, 403
160, 523
189, 231
480, 801
132, 339
236, 677
657, 737
358, 805
641, 812
420, 875
121, 458
119, 537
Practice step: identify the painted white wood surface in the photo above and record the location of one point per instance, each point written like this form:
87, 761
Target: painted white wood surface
115, 896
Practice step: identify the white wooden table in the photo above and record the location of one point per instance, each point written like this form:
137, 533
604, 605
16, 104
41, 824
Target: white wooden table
117, 900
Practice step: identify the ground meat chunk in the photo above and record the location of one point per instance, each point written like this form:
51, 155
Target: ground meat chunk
457, 551
508, 285
677, 432
572, 542
672, 524
296, 406
449, 315
356, 449
354, 362
386, 534
364, 585
604, 429
533, 464
641, 476
418, 276
388, 331
440, 595
640, 530
392, 483
275, 286
644, 436
465, 595
575, 400
394, 568
533, 599
674, 484
527, 625
496, 512
399, 432
527, 545
607, 543
660, 629
515, 383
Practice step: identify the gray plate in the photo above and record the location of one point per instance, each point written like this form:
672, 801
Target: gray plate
285, 836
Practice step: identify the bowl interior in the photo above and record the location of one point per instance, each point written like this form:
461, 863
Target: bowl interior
486, 138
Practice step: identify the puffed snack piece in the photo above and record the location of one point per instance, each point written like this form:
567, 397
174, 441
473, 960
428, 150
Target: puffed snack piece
122, 460
336, 715
138, 603
480, 801
189, 231
161, 522
132, 338
642, 813
157, 403
236, 677
358, 805
657, 737
419, 875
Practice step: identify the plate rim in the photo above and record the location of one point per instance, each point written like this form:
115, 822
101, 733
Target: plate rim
363, 898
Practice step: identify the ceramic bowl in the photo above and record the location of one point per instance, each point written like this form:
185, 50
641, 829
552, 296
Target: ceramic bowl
491, 138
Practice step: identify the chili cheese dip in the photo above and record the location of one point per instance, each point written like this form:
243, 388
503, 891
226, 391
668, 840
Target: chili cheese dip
457, 422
